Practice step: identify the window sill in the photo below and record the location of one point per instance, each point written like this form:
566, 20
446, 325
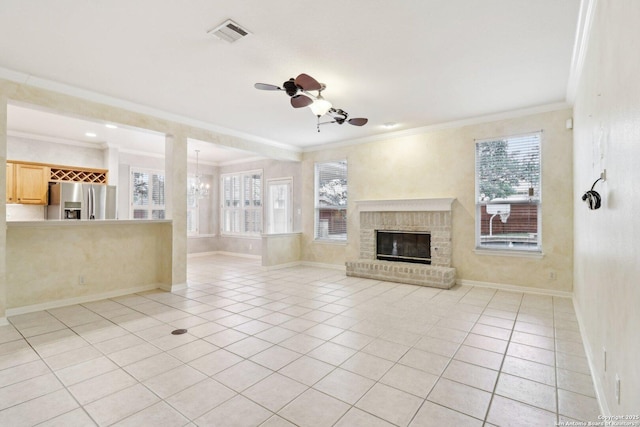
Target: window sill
241, 236
508, 253
330, 242
84, 222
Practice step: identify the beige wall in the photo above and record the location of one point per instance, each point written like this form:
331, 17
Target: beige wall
29, 149
607, 241
280, 249
442, 164
45, 262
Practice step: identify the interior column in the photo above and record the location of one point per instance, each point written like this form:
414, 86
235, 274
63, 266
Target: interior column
3, 210
176, 205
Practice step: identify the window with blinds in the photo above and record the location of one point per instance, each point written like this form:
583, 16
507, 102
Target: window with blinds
241, 211
508, 193
147, 194
331, 200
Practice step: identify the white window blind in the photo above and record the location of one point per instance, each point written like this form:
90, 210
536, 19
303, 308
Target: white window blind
147, 194
508, 193
241, 210
331, 200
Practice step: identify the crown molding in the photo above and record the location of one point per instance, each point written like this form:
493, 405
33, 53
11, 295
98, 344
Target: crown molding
446, 125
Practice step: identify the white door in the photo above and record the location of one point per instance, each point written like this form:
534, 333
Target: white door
280, 212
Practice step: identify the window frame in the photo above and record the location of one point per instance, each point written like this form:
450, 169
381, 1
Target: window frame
340, 237
241, 209
515, 200
151, 207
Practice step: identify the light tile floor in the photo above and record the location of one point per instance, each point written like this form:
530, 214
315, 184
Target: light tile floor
299, 346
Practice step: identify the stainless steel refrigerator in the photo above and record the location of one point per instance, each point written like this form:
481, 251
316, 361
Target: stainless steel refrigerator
75, 201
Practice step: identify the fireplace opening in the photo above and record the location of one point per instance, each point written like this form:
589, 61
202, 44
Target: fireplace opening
403, 246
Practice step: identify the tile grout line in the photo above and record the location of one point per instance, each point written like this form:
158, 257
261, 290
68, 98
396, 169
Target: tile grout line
450, 359
555, 360
504, 356
52, 371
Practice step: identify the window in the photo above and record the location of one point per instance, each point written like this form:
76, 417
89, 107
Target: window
147, 194
241, 211
279, 212
331, 200
508, 193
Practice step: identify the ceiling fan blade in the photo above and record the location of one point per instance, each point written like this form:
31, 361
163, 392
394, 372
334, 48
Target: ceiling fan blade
306, 82
358, 121
300, 101
265, 86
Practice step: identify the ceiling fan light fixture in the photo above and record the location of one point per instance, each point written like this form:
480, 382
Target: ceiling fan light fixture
300, 91
320, 106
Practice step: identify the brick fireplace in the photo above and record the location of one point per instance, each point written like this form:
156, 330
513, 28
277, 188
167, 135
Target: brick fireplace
432, 216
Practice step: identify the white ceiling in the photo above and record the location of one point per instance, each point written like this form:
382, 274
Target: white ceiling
413, 62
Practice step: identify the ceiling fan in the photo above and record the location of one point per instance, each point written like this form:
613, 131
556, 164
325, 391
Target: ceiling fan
299, 90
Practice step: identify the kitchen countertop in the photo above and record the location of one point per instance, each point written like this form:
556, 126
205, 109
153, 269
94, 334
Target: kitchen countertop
85, 222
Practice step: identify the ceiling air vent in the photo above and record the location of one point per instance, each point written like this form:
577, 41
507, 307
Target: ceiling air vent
229, 31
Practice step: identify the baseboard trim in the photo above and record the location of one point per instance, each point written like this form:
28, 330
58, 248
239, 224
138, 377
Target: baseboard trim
237, 254
338, 267
515, 288
281, 266
80, 300
200, 254
588, 349
174, 288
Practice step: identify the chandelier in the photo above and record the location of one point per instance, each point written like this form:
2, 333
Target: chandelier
198, 189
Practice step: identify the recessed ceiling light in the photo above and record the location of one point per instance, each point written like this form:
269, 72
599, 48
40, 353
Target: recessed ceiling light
390, 125
90, 134
110, 126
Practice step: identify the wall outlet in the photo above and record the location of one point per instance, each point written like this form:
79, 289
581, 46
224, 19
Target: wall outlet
553, 275
617, 389
81, 280
604, 358
603, 175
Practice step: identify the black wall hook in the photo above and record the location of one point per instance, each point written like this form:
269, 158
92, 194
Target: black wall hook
592, 198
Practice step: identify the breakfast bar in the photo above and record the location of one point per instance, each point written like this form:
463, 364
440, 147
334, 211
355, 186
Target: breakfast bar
53, 263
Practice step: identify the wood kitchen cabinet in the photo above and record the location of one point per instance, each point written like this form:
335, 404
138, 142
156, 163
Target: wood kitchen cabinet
28, 182
31, 183
11, 186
